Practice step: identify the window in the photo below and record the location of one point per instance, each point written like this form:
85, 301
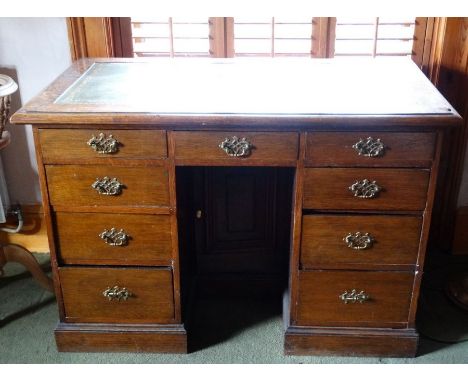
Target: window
273, 36
173, 37
374, 37
279, 37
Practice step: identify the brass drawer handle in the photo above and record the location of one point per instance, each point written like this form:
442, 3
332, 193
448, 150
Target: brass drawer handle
359, 240
117, 293
114, 238
354, 297
370, 147
365, 189
104, 145
107, 186
236, 147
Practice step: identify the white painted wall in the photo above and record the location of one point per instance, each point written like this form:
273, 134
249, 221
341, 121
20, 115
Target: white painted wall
38, 50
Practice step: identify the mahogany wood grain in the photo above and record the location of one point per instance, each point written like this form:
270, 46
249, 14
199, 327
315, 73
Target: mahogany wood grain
351, 342
396, 240
49, 225
245, 220
266, 146
319, 302
152, 299
427, 218
257, 122
146, 210
334, 149
71, 185
241, 162
61, 146
402, 189
176, 269
296, 229
79, 242
121, 338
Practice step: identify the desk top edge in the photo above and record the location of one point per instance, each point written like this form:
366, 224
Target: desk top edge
44, 108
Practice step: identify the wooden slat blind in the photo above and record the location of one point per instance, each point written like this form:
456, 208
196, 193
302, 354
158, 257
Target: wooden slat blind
170, 37
378, 36
279, 36
272, 36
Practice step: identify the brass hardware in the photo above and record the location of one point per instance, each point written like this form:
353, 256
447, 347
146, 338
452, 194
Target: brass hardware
117, 293
114, 237
359, 240
370, 147
365, 189
107, 186
236, 147
354, 297
104, 145
198, 214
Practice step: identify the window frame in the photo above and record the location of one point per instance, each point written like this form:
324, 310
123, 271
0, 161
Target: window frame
116, 37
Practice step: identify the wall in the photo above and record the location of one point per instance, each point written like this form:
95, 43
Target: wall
35, 51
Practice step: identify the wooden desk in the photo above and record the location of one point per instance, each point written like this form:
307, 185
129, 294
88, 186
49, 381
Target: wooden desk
353, 150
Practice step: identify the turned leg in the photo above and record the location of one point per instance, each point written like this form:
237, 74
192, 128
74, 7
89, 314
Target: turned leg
18, 254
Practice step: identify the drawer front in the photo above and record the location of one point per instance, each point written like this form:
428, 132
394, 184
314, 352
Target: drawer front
87, 238
363, 240
151, 299
383, 149
141, 186
265, 146
400, 189
321, 292
65, 146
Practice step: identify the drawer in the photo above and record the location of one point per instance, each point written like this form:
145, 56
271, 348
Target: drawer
145, 240
392, 149
141, 186
337, 241
66, 146
401, 189
150, 300
199, 146
386, 304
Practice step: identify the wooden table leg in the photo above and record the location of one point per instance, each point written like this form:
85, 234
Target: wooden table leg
18, 254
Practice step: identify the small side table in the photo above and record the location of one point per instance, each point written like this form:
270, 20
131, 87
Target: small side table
13, 252
18, 254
